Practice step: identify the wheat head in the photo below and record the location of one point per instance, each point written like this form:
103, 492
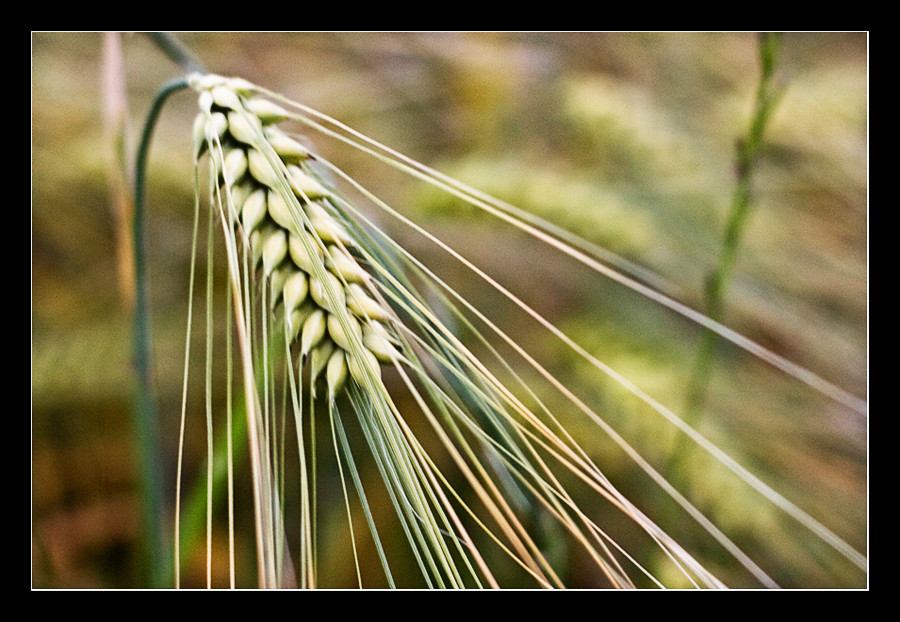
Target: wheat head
304, 248
296, 236
297, 239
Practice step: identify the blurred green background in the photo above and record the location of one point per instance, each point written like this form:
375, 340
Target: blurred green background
627, 139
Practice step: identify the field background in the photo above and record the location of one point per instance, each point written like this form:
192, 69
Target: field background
626, 139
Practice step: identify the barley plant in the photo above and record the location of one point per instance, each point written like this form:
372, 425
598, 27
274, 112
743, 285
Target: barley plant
483, 375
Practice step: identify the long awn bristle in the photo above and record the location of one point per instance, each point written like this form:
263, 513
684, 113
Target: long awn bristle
329, 285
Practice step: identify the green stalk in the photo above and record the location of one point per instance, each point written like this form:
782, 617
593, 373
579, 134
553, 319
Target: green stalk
145, 412
146, 418
748, 150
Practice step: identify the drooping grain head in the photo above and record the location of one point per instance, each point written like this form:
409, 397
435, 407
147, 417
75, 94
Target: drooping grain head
296, 237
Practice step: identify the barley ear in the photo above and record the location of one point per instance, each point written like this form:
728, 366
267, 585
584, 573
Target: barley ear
297, 237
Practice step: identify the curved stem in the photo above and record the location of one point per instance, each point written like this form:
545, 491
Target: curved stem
146, 417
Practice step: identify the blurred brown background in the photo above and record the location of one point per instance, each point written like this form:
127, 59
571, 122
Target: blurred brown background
624, 138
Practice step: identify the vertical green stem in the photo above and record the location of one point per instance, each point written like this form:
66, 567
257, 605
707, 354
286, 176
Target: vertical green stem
146, 417
748, 150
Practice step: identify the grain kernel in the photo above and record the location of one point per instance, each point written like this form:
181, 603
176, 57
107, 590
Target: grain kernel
297, 318
225, 97
313, 330
378, 341
303, 185
358, 362
253, 211
234, 166
240, 126
318, 358
275, 249
260, 168
268, 111
336, 373
286, 147
296, 287
318, 289
363, 305
325, 225
342, 264
280, 211
336, 330
299, 254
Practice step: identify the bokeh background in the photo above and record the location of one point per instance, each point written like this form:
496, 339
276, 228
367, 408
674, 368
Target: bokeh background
627, 139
